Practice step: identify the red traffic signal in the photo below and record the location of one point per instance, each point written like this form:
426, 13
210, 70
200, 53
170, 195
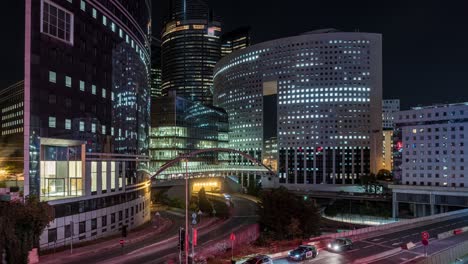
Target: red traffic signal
425, 235
194, 236
232, 237
425, 242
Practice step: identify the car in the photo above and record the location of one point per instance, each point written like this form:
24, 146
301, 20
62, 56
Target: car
259, 259
303, 252
340, 244
227, 196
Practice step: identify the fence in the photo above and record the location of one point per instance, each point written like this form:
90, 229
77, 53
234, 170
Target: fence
448, 255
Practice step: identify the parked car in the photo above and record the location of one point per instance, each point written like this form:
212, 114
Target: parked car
259, 259
340, 244
303, 252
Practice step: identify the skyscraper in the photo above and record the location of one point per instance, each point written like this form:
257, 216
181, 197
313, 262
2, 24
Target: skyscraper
235, 40
327, 88
190, 46
389, 109
155, 68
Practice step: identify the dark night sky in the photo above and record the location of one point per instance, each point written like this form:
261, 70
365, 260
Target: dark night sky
425, 42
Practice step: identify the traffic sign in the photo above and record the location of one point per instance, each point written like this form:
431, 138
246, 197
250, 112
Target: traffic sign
232, 237
122, 242
425, 242
425, 235
194, 215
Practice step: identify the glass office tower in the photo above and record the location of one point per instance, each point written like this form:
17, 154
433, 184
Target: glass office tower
190, 47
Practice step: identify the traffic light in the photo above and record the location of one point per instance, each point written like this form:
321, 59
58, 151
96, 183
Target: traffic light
124, 231
181, 244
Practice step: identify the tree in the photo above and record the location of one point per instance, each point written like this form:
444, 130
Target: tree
254, 187
21, 224
384, 175
294, 228
277, 209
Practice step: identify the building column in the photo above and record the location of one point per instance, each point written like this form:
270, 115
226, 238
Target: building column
432, 203
353, 173
334, 166
315, 166
295, 165
394, 206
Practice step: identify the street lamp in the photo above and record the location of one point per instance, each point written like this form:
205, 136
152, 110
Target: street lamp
186, 210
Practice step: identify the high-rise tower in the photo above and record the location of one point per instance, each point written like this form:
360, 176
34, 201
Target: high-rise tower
190, 48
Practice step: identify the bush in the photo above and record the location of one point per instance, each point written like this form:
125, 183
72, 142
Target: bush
203, 202
222, 210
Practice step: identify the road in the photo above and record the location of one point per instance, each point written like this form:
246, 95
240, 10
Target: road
244, 213
111, 253
388, 241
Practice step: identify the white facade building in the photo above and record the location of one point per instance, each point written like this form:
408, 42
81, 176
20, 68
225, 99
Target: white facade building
328, 89
433, 158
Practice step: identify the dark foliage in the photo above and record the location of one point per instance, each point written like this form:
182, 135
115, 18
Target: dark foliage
21, 224
286, 216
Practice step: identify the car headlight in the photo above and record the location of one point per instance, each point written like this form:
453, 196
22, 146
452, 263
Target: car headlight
335, 247
297, 256
329, 245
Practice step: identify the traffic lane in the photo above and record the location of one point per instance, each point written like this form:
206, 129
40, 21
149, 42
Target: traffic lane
397, 258
243, 214
324, 257
362, 249
433, 231
414, 234
106, 254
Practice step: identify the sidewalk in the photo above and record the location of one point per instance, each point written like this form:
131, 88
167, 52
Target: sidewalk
108, 243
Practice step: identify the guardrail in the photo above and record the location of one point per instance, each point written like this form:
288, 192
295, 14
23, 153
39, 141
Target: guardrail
446, 256
410, 222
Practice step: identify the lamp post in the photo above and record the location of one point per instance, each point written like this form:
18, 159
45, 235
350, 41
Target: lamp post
186, 211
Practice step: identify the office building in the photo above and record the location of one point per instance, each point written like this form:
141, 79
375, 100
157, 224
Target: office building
190, 47
87, 116
11, 135
180, 126
432, 149
270, 153
327, 86
235, 40
155, 68
389, 108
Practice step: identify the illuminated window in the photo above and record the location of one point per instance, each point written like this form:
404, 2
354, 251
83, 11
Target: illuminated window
82, 86
52, 122
104, 175
93, 128
93, 176
68, 81
112, 175
103, 93
104, 20
94, 13
103, 130
52, 77
67, 124
83, 5
93, 89
82, 126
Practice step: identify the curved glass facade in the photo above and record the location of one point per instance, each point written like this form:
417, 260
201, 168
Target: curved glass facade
327, 89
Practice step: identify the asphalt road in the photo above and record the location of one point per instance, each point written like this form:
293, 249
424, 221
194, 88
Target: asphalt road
380, 243
111, 253
244, 213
